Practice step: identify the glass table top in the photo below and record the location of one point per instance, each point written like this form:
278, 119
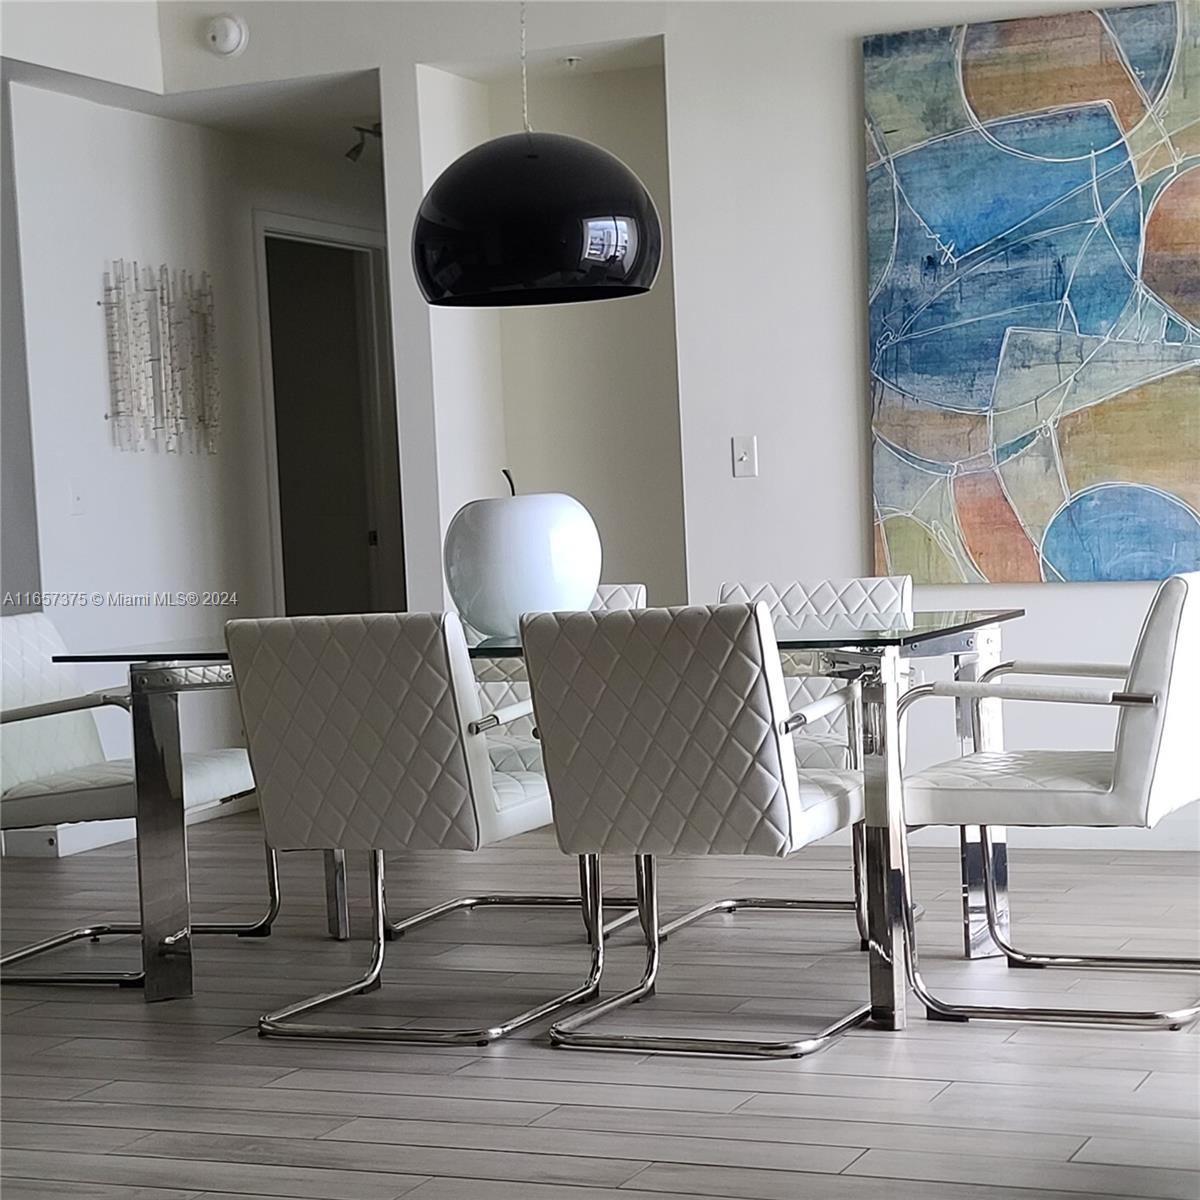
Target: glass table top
807, 633
863, 632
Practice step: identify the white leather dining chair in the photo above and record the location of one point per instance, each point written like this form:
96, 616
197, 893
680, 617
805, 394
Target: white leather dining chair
872, 602
667, 732
53, 771
1152, 770
503, 681
366, 733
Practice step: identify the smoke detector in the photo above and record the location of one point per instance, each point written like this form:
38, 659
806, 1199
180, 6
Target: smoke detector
226, 35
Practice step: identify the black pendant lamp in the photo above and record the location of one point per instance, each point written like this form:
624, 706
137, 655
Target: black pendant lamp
535, 218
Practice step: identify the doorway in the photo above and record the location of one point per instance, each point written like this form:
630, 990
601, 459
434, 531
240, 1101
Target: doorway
332, 450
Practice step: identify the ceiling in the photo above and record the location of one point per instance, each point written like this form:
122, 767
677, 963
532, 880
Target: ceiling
593, 57
316, 113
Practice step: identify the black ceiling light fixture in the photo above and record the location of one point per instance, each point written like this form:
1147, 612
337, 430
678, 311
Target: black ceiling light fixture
535, 218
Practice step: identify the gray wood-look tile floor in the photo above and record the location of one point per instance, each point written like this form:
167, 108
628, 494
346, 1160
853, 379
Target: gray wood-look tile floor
108, 1098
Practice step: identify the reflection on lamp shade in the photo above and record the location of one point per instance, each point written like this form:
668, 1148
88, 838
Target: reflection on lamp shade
535, 218
538, 552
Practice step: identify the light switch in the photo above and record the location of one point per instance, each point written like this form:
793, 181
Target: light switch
745, 457
77, 505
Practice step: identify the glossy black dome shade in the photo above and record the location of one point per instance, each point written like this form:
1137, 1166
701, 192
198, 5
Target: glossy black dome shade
535, 218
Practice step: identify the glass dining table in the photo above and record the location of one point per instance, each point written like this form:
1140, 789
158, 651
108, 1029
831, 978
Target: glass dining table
873, 645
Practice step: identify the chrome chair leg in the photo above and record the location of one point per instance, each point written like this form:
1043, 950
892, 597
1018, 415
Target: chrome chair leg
282, 1023
938, 1009
337, 904
566, 1032
133, 979
857, 906
261, 927
396, 929
1021, 958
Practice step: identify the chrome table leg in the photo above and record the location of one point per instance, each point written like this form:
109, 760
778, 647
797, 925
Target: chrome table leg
337, 904
884, 844
161, 838
977, 939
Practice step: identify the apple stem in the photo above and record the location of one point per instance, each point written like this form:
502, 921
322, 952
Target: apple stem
512, 487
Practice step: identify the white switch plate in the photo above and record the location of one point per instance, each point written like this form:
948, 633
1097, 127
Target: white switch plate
77, 505
745, 457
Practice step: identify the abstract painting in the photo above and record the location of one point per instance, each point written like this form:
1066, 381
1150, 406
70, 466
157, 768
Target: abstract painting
1033, 224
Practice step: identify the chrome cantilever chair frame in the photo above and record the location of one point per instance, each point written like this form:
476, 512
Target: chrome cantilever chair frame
282, 1022
514, 689
437, 648
938, 1009
798, 599
566, 1032
126, 979
849, 698
590, 813
395, 929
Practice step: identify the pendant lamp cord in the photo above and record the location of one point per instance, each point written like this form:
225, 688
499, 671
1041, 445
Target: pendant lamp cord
524, 76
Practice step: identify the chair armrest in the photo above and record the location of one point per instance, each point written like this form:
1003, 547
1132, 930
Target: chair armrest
501, 716
115, 696
1066, 669
1030, 691
824, 707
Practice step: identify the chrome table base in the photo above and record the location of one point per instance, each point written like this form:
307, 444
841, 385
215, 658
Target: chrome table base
137, 979
566, 1032
282, 1023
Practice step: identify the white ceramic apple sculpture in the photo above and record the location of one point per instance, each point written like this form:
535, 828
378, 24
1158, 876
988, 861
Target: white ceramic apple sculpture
538, 552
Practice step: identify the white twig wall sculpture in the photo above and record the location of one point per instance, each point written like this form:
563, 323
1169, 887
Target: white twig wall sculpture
162, 359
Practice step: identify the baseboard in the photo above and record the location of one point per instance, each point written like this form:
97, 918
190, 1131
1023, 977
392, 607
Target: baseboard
59, 841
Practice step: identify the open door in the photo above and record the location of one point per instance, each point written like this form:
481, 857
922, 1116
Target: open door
337, 519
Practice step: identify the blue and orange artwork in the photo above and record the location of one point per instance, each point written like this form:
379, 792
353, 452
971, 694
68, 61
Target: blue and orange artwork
1033, 221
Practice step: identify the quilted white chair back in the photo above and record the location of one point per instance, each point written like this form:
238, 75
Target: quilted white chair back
45, 745
662, 730
860, 600
504, 680
1157, 762
870, 601
358, 734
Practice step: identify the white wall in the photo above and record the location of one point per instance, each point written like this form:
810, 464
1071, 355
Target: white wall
465, 343
18, 507
116, 40
591, 398
766, 175
764, 127
96, 183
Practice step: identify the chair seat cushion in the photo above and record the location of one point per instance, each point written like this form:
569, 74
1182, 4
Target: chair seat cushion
522, 804
104, 791
515, 752
520, 752
829, 800
1019, 787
